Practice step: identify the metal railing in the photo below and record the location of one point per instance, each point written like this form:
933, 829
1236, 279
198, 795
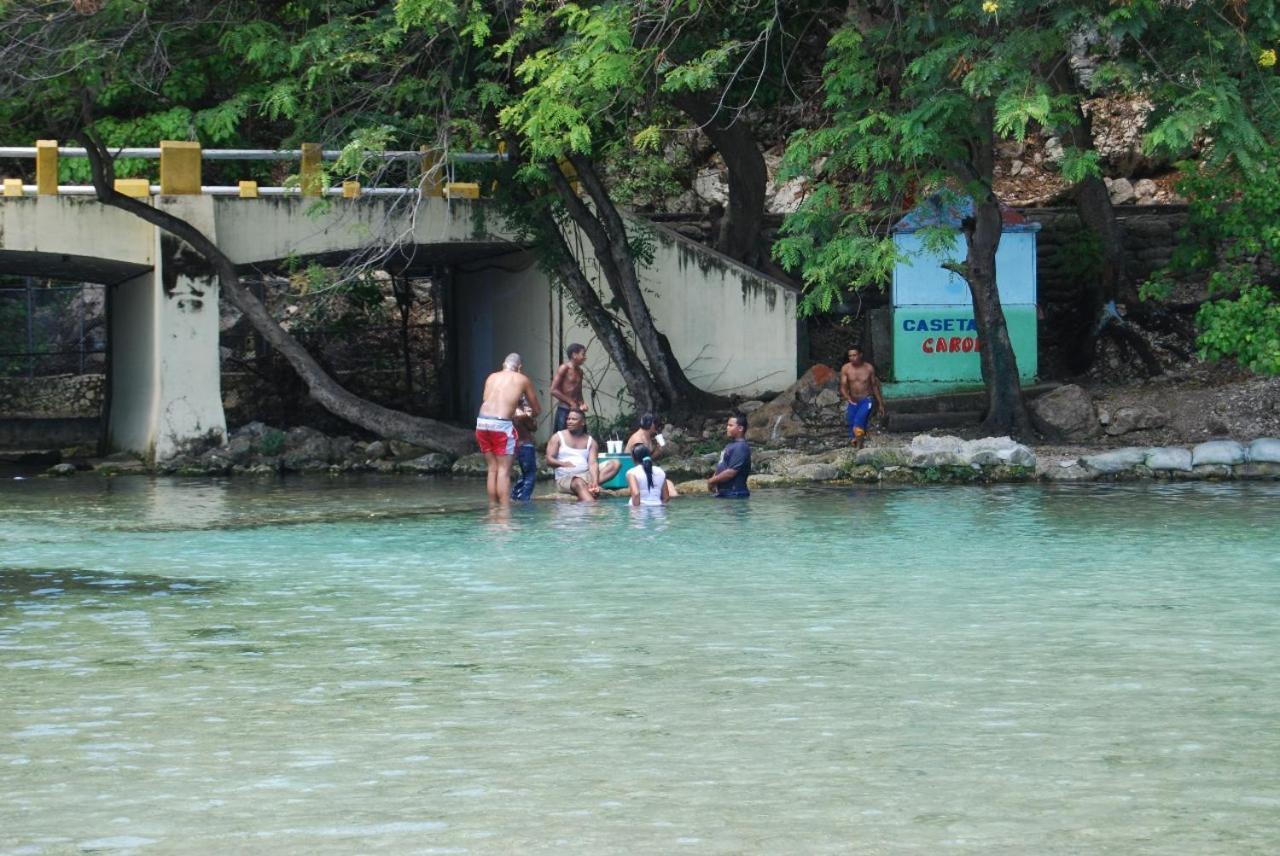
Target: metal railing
181, 168
29, 152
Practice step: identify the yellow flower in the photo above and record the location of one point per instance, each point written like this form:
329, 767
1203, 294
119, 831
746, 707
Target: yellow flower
991, 7
1267, 58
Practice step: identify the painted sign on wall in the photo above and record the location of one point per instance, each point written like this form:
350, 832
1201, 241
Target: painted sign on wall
940, 343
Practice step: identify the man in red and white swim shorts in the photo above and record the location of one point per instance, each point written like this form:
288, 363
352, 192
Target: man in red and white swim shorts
495, 432
495, 436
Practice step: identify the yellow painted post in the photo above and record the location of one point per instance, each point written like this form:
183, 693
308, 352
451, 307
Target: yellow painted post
572, 174
432, 173
179, 167
462, 190
13, 187
502, 150
350, 190
309, 174
47, 167
137, 187
248, 190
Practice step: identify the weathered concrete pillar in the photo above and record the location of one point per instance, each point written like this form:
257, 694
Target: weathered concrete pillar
165, 375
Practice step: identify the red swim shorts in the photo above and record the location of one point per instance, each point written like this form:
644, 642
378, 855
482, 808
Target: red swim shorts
495, 436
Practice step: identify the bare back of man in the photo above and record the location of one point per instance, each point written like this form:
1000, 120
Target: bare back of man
495, 430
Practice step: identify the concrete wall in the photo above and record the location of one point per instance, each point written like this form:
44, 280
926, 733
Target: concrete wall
132, 320
278, 227
75, 226
733, 330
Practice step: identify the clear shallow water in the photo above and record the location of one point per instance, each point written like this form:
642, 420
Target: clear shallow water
317, 666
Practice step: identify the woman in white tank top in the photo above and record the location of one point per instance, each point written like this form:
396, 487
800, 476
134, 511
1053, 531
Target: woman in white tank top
648, 483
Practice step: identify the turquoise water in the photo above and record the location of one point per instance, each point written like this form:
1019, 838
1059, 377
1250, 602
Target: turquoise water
329, 666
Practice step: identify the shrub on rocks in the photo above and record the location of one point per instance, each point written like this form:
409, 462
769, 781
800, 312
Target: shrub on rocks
927, 451
432, 463
470, 465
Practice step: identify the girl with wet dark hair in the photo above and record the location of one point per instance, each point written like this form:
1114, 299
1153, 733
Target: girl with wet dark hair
648, 483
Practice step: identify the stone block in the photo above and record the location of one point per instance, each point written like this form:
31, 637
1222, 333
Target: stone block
1218, 452
1258, 470
1116, 461
1212, 471
1264, 450
1168, 459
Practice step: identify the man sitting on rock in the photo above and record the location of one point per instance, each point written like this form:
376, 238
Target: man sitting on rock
573, 454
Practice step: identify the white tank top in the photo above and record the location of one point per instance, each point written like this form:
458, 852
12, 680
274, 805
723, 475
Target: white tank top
580, 457
648, 495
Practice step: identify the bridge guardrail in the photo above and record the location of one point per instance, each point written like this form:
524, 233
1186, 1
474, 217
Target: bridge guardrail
181, 169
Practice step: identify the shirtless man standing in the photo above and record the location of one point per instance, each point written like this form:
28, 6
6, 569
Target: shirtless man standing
859, 386
495, 433
566, 385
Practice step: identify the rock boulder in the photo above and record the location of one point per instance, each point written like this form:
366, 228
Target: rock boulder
782, 418
1067, 413
1137, 418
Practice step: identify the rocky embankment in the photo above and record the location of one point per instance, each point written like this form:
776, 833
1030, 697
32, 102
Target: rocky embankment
257, 449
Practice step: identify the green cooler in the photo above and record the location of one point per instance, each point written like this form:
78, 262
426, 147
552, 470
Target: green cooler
619, 481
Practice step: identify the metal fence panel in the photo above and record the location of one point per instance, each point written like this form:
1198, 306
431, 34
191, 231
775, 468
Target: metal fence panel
52, 329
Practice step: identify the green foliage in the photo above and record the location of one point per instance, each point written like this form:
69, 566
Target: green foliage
1232, 237
271, 442
912, 97
1246, 329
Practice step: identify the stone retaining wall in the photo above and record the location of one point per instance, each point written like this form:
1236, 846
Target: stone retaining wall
60, 396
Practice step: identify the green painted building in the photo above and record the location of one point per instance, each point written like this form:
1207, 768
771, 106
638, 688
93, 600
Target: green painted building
934, 335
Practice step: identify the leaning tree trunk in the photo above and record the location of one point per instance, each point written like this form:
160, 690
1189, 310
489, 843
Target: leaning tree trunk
644, 392
739, 234
1006, 410
608, 235
323, 389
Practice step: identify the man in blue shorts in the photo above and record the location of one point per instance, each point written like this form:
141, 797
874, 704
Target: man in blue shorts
860, 389
734, 467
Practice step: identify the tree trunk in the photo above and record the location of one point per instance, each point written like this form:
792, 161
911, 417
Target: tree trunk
1006, 410
323, 389
644, 393
607, 233
1093, 205
739, 232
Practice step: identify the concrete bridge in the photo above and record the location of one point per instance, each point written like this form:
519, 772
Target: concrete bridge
733, 329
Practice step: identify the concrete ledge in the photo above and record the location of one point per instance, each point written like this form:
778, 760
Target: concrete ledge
48, 432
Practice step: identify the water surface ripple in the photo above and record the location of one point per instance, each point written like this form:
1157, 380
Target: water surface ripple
338, 666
